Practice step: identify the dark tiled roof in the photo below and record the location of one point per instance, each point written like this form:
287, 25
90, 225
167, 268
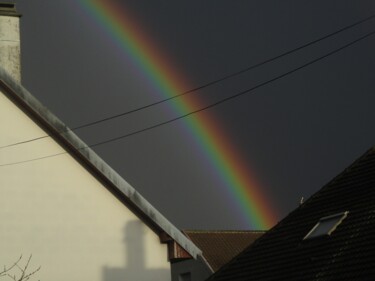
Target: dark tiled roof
348, 254
219, 247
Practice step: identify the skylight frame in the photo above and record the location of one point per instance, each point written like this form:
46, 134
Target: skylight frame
341, 217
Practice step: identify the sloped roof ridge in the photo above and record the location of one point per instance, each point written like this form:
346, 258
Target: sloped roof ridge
352, 166
77, 146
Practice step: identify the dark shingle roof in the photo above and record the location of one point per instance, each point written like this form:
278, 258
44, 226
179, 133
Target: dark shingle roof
347, 254
219, 247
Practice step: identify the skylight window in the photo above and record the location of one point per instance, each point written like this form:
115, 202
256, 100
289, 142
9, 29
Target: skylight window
326, 225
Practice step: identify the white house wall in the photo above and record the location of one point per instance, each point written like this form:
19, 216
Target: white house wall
58, 212
10, 45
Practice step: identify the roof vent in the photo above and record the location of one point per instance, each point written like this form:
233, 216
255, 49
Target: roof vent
326, 225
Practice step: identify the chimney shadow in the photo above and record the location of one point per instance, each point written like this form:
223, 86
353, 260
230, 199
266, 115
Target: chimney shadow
135, 260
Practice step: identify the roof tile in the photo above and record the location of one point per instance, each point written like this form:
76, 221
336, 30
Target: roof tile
347, 254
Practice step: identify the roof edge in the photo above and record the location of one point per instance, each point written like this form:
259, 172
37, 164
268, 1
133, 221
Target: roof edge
352, 165
16, 90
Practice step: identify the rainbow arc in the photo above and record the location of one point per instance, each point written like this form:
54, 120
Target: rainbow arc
211, 139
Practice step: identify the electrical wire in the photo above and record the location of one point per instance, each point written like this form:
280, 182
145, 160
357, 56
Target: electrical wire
208, 106
223, 78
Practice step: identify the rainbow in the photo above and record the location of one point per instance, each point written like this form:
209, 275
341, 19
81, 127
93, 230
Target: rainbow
210, 137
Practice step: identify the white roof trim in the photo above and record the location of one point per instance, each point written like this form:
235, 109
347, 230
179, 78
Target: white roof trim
125, 188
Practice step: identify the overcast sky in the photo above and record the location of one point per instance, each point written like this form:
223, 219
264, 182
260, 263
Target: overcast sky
295, 134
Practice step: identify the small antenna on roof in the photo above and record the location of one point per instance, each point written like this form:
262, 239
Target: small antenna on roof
301, 201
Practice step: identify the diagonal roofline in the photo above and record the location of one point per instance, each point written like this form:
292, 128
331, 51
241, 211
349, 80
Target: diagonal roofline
92, 162
221, 246
300, 221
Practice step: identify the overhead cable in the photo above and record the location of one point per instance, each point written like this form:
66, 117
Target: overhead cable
211, 83
206, 107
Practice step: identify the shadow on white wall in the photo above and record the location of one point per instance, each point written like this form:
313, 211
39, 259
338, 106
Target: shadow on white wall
134, 251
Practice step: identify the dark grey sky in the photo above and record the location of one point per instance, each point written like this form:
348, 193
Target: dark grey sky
295, 134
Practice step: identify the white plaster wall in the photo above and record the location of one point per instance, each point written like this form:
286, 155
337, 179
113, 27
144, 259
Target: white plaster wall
56, 211
10, 46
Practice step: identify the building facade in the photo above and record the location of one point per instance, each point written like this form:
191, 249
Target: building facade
60, 202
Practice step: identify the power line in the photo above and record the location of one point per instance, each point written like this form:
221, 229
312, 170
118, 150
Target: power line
208, 106
223, 78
